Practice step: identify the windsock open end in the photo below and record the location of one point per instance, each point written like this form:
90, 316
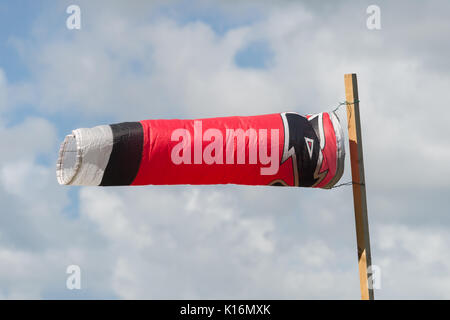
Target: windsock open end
83, 156
68, 160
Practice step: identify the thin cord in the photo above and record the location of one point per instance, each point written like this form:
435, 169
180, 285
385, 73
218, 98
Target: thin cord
349, 183
343, 104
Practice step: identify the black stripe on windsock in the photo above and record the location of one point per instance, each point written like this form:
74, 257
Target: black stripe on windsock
126, 154
300, 129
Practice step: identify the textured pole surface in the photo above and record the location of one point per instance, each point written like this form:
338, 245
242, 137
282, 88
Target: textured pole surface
359, 187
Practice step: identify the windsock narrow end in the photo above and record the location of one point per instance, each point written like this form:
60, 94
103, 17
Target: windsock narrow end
84, 155
69, 159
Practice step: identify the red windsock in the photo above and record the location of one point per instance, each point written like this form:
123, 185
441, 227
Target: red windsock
283, 149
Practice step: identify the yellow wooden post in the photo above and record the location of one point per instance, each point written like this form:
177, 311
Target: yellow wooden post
359, 188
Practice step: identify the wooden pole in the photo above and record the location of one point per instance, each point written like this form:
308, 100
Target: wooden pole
359, 187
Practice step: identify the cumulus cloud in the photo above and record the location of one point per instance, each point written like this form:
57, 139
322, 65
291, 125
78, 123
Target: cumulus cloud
13, 95
32, 137
202, 243
38, 238
414, 261
153, 60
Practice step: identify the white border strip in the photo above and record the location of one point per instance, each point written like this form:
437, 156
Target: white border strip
340, 150
93, 149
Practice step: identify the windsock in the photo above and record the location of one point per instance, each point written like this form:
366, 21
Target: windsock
283, 149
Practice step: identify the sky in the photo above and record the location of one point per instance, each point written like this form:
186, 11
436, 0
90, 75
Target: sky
134, 60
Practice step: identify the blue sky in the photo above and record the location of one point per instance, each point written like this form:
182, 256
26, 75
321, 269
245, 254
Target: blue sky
183, 59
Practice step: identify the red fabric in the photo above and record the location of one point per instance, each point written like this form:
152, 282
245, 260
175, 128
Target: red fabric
157, 166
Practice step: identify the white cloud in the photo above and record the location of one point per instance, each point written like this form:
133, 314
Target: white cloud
38, 239
13, 95
226, 242
31, 137
414, 261
202, 243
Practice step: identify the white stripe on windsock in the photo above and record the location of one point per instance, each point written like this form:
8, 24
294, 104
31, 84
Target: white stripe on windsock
340, 149
84, 155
